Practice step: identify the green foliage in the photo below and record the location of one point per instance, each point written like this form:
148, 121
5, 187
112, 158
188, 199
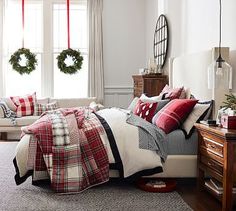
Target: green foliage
76, 57
230, 102
30, 63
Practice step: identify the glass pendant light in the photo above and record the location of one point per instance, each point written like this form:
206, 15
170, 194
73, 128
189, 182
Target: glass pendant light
220, 72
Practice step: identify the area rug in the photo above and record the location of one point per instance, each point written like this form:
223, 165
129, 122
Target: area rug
114, 195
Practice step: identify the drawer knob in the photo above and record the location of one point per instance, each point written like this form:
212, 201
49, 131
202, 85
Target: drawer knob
211, 146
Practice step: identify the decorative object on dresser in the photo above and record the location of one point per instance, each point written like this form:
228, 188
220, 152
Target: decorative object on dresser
150, 84
217, 159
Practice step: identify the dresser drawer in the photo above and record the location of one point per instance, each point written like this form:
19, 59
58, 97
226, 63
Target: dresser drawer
213, 164
212, 146
138, 84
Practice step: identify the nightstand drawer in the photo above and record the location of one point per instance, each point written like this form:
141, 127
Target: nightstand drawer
212, 146
214, 165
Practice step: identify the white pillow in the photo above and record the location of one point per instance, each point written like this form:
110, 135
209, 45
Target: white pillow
133, 104
194, 116
96, 106
153, 99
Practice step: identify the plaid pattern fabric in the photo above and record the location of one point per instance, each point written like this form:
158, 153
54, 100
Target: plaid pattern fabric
41, 108
25, 105
71, 167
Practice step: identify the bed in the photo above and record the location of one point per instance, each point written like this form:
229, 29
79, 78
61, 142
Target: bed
182, 155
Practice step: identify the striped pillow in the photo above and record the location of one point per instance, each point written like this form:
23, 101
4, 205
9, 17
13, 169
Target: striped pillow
41, 108
173, 114
24, 105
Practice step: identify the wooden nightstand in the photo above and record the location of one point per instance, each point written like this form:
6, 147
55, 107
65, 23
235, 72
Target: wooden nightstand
150, 84
217, 159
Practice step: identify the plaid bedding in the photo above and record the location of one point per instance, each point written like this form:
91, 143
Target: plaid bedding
74, 158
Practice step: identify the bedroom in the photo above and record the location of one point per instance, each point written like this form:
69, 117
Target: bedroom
128, 29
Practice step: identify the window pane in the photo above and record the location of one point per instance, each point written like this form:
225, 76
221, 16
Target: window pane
66, 85
16, 84
74, 85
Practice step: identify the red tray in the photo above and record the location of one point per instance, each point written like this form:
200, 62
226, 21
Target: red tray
170, 185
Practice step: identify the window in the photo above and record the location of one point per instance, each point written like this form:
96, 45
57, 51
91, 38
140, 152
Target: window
76, 83
45, 35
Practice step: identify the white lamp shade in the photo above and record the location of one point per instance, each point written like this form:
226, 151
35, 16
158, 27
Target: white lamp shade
219, 75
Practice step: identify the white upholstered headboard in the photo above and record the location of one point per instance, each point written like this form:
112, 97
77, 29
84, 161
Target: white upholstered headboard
191, 71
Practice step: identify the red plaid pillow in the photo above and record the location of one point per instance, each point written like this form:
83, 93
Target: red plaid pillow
25, 104
173, 114
145, 110
171, 93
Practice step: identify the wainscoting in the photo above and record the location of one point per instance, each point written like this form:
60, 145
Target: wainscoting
118, 96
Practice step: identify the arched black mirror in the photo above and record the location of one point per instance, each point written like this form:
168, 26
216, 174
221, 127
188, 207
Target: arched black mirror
160, 46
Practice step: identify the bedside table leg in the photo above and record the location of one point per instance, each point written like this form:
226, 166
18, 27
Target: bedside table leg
227, 200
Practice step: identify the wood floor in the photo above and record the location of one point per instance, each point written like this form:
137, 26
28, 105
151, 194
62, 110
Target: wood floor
199, 201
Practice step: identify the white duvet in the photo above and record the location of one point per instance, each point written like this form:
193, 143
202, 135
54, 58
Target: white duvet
126, 136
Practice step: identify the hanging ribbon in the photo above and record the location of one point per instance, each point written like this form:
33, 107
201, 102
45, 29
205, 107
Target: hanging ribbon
68, 23
23, 21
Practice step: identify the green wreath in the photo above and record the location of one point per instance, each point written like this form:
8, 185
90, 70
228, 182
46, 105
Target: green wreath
30, 63
76, 57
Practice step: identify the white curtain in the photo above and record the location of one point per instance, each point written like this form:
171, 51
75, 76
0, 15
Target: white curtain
95, 62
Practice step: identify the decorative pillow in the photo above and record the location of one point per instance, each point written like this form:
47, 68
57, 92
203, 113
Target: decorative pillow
133, 104
185, 94
96, 106
171, 93
173, 114
153, 99
145, 110
25, 104
196, 115
41, 108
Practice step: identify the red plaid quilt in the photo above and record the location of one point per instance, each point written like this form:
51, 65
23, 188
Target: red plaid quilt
68, 148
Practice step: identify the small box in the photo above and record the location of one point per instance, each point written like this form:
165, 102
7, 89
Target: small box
228, 122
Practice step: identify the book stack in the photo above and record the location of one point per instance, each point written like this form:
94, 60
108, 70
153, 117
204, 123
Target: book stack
156, 184
216, 186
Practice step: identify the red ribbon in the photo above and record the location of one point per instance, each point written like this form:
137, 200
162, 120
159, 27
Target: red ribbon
23, 21
68, 23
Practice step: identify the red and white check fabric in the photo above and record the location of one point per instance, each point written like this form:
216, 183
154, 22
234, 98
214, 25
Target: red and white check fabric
41, 108
24, 105
72, 167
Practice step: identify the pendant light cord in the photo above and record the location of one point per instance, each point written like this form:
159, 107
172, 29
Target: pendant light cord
220, 30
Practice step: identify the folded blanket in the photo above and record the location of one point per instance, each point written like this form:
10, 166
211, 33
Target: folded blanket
8, 113
150, 136
73, 165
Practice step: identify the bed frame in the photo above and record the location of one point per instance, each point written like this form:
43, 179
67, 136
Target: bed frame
190, 71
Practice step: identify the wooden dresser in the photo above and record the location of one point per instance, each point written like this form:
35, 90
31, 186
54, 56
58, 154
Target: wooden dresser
150, 84
217, 160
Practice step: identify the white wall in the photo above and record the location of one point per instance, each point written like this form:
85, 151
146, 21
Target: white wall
124, 40
194, 26
124, 48
128, 36
150, 22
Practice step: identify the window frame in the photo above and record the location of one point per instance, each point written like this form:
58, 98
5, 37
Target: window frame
47, 54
